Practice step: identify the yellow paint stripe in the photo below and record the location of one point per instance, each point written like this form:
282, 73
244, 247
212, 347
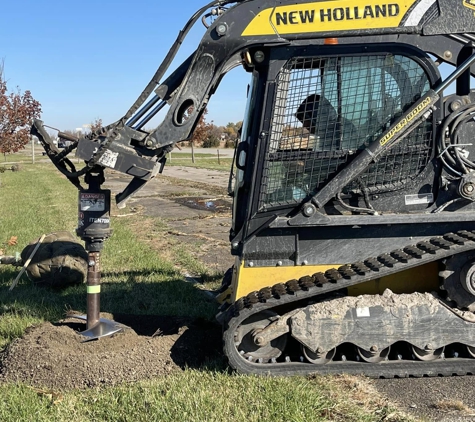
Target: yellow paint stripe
93, 289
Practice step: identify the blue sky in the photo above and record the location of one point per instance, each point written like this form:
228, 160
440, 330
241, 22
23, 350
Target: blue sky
91, 59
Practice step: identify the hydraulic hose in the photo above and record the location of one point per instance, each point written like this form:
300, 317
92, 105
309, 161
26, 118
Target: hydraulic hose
112, 131
449, 152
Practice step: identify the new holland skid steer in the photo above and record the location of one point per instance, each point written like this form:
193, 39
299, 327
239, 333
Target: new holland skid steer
353, 220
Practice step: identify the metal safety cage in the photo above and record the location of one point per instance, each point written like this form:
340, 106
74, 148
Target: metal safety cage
326, 109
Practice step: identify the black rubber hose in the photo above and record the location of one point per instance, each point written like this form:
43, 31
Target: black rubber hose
355, 209
453, 160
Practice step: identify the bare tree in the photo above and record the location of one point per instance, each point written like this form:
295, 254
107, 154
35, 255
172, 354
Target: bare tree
96, 125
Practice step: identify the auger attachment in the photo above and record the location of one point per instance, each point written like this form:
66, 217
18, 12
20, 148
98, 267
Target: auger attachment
94, 229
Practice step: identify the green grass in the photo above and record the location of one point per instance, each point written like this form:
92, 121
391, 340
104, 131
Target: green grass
23, 156
135, 279
140, 280
206, 161
197, 396
188, 156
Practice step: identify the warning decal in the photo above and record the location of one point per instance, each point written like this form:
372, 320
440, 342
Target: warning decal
92, 201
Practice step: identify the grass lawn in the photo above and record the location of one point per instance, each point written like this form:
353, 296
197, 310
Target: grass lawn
206, 161
138, 279
23, 156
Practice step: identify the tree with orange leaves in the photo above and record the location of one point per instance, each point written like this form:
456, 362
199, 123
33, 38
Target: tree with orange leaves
17, 110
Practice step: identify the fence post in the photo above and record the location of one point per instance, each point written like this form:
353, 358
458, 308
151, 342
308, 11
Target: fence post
32, 149
219, 161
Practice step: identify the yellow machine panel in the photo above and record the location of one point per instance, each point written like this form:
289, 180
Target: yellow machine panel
419, 279
328, 16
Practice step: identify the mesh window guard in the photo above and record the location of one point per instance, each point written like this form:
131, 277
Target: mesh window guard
326, 109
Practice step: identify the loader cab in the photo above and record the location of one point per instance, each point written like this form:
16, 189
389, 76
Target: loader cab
329, 107
310, 111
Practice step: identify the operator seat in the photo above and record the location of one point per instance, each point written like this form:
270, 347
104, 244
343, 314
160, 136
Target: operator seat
320, 118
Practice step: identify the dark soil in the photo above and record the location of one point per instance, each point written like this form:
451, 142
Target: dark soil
55, 356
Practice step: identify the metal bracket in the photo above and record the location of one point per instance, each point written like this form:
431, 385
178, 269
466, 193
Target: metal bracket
274, 330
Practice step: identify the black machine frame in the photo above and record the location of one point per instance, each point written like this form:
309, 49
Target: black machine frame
307, 241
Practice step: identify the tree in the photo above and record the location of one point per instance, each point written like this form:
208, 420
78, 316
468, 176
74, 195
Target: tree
230, 143
215, 131
202, 130
232, 134
232, 130
211, 142
96, 125
17, 110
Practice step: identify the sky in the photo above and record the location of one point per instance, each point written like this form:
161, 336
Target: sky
90, 59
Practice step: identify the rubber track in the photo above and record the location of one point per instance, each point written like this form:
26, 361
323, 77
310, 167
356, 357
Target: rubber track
312, 286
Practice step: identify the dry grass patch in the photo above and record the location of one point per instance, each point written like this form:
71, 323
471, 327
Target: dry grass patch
453, 405
360, 392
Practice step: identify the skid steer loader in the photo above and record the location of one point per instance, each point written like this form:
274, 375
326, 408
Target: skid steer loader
353, 224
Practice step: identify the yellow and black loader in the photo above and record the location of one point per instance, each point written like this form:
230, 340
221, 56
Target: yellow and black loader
353, 223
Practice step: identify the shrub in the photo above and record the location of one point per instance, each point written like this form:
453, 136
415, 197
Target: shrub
230, 143
211, 142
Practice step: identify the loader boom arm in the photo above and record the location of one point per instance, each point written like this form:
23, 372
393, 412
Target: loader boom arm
237, 35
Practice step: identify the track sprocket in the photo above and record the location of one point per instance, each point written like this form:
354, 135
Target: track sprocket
452, 277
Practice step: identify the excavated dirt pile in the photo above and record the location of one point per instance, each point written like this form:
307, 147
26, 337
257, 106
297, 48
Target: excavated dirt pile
54, 356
